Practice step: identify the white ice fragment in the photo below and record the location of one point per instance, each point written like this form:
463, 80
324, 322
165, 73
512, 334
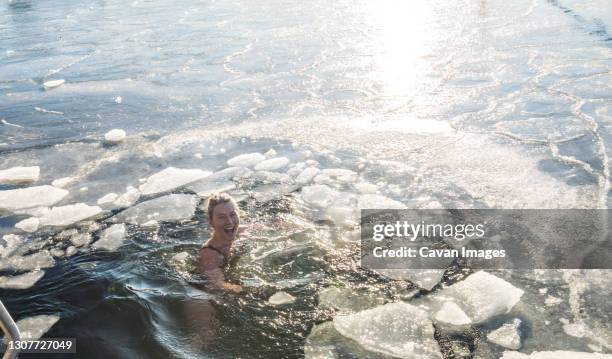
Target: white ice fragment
397, 329
376, 201
150, 224
37, 260
19, 175
108, 198
127, 199
70, 214
339, 174
507, 336
9, 244
80, 239
48, 85
307, 175
56, 252
39, 196
70, 251
118, 99
559, 354
280, 298
272, 164
169, 208
246, 160
206, 187
111, 238
22, 281
171, 178
180, 257
577, 330
34, 212
451, 313
271, 153
33, 328
319, 195
366, 187
28, 225
115, 136
62, 182
234, 173
482, 296
551, 300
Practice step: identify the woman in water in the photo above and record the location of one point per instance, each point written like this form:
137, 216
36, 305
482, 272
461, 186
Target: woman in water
224, 220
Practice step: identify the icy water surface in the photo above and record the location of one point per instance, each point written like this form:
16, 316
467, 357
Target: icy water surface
306, 112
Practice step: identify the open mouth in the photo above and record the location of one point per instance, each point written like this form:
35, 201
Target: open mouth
230, 230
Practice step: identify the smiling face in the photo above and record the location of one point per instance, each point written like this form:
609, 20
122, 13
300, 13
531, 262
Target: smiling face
225, 221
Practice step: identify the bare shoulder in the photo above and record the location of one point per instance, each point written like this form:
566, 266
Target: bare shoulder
209, 259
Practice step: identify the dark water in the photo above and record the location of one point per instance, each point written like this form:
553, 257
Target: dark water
468, 104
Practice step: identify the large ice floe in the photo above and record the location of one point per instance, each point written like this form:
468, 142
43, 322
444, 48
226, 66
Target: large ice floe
171, 178
479, 297
21, 281
68, 215
246, 160
397, 329
169, 208
30, 197
19, 175
33, 328
34, 261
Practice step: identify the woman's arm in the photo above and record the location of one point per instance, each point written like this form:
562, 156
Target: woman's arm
209, 266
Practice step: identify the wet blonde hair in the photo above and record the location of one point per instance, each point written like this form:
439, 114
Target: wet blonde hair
219, 198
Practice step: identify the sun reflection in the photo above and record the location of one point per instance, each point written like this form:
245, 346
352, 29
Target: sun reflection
402, 35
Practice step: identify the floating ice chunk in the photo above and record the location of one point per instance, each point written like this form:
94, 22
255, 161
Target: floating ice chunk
108, 198
115, 136
342, 215
169, 208
70, 214
376, 201
80, 239
39, 196
205, 187
150, 224
424, 278
70, 251
246, 160
112, 238
397, 329
482, 296
307, 175
28, 224
62, 182
22, 281
127, 199
118, 99
339, 174
37, 260
9, 244
57, 252
171, 178
577, 330
559, 354
349, 300
48, 85
271, 153
451, 313
280, 298
18, 175
33, 328
272, 164
507, 336
319, 195
180, 257
366, 187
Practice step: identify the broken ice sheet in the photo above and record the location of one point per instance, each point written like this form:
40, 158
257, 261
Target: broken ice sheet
169, 208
